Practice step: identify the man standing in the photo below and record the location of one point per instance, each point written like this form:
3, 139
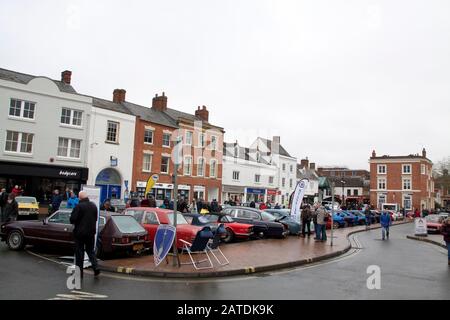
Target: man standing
56, 201
322, 216
84, 218
368, 216
152, 202
385, 221
306, 220
72, 202
11, 208
3, 202
107, 206
446, 233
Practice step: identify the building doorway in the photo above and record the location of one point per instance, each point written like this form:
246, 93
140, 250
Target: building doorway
110, 184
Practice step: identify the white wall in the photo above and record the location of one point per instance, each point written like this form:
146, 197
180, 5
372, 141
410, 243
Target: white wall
99, 152
46, 126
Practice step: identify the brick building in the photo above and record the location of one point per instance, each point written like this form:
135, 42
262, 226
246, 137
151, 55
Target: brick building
199, 174
404, 180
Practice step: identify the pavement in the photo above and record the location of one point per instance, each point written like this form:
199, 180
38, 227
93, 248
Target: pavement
245, 257
436, 239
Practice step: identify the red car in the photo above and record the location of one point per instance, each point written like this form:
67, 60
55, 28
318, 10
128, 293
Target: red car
151, 218
434, 223
235, 230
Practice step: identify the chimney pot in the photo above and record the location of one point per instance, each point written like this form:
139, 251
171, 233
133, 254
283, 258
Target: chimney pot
160, 103
66, 76
202, 113
374, 154
424, 153
119, 95
312, 166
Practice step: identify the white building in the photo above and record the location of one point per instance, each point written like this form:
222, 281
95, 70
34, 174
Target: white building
308, 170
111, 147
43, 134
274, 153
247, 176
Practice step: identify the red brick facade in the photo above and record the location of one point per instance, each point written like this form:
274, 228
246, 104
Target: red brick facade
391, 181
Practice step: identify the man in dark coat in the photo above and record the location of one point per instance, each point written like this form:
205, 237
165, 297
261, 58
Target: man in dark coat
306, 220
56, 201
11, 208
445, 230
215, 206
152, 202
84, 218
3, 202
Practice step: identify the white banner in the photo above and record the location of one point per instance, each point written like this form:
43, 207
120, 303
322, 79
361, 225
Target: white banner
297, 199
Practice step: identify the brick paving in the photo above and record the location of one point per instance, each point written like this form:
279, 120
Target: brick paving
245, 257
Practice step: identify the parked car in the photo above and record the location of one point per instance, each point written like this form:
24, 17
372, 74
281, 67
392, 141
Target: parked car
234, 229
349, 218
262, 226
28, 208
200, 220
360, 216
118, 204
444, 215
434, 223
338, 222
151, 218
376, 214
116, 233
283, 215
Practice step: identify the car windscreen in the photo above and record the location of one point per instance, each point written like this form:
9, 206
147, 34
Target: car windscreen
26, 200
180, 218
136, 214
212, 218
267, 216
127, 224
433, 218
203, 220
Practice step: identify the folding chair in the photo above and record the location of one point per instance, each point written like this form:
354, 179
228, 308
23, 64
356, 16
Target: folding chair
199, 246
213, 246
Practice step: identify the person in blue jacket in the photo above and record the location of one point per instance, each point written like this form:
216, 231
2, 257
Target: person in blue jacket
72, 201
385, 221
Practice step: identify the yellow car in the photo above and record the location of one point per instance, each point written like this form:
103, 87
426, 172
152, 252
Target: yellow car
28, 207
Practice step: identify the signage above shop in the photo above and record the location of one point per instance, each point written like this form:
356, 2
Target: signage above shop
256, 191
68, 173
114, 161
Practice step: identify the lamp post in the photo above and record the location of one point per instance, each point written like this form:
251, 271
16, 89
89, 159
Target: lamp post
177, 160
332, 212
343, 196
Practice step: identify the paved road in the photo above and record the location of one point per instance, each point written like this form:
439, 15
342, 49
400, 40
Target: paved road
409, 270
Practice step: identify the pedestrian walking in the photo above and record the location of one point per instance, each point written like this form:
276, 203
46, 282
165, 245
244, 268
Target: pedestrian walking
314, 219
3, 202
84, 218
445, 231
322, 218
385, 221
368, 216
11, 208
306, 220
73, 200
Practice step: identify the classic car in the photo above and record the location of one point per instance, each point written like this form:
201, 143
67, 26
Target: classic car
200, 220
116, 233
338, 221
151, 218
234, 229
360, 216
434, 223
28, 208
262, 226
283, 215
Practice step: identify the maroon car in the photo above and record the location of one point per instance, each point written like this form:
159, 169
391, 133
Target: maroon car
117, 233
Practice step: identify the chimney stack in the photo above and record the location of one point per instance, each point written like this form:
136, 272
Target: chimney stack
66, 76
119, 95
202, 113
160, 103
276, 141
304, 163
312, 166
424, 153
374, 154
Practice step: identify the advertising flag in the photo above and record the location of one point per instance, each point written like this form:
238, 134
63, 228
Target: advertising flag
150, 183
297, 199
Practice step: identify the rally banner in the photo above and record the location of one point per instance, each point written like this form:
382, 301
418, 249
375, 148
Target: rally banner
297, 199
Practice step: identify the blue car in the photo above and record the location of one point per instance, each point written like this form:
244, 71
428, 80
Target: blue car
283, 215
360, 216
338, 221
350, 219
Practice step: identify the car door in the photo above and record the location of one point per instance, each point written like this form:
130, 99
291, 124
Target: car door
152, 223
58, 229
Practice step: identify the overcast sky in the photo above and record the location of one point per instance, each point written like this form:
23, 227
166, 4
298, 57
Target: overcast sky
335, 79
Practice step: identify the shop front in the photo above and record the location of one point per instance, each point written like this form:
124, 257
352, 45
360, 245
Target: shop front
199, 192
272, 195
41, 180
110, 183
161, 191
254, 194
234, 193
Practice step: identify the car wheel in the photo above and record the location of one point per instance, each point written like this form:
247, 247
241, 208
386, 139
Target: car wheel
16, 240
345, 224
335, 225
230, 236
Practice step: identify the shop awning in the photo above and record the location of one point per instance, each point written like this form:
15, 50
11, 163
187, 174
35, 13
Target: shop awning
233, 189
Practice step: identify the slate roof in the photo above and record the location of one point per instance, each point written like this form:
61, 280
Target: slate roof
244, 153
151, 115
23, 78
109, 105
282, 150
177, 115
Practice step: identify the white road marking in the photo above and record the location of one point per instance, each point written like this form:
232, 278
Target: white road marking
79, 295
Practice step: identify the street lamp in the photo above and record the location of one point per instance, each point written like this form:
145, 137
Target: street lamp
178, 156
